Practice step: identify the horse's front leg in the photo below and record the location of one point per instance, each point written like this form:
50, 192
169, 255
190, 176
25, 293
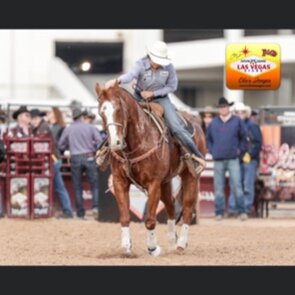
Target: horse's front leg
154, 194
190, 196
121, 189
167, 199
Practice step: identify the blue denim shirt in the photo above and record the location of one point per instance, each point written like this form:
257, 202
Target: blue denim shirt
161, 81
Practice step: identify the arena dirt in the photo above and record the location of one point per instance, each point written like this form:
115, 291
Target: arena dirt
78, 242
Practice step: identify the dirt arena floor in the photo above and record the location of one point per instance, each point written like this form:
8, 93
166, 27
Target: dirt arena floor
88, 242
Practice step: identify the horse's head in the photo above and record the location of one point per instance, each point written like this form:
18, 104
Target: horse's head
113, 115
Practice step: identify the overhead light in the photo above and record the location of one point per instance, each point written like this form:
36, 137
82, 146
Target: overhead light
85, 66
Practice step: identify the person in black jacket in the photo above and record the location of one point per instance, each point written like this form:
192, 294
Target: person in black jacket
249, 160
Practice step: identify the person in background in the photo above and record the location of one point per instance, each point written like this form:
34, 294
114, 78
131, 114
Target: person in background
82, 140
249, 160
254, 117
226, 139
56, 122
41, 128
23, 127
207, 117
88, 117
2, 153
3, 126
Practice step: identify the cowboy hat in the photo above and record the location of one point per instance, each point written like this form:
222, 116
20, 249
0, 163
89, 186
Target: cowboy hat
22, 109
37, 113
223, 102
158, 53
77, 113
239, 106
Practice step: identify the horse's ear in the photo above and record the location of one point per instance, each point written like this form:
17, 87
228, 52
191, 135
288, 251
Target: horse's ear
97, 90
116, 83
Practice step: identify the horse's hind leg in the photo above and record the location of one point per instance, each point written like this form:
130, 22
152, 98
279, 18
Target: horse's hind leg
154, 194
121, 189
190, 191
167, 199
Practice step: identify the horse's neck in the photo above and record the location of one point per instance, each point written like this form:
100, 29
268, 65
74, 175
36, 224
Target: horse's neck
140, 131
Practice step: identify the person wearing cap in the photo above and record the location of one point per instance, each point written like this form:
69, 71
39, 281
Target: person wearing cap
42, 129
254, 117
249, 160
155, 78
226, 139
23, 127
88, 116
82, 140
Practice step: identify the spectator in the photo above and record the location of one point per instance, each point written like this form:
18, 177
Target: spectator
207, 117
3, 126
41, 128
254, 117
82, 139
226, 142
2, 153
249, 160
56, 122
23, 127
88, 117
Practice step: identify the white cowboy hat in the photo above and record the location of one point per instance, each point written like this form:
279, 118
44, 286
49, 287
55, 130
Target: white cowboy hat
239, 106
158, 52
248, 111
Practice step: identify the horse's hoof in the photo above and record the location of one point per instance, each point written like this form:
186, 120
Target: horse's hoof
155, 252
126, 253
182, 243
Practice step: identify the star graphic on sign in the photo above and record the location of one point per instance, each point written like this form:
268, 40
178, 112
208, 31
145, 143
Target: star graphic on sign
245, 50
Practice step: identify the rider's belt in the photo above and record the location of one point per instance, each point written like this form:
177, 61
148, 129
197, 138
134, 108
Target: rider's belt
159, 96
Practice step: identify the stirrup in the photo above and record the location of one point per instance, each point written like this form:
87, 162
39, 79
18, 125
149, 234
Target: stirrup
201, 161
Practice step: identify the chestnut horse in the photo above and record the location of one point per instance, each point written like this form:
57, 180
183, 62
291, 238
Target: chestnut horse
139, 154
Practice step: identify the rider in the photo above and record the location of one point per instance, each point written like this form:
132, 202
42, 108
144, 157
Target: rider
156, 78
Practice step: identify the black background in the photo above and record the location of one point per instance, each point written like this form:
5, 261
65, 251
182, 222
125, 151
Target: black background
149, 15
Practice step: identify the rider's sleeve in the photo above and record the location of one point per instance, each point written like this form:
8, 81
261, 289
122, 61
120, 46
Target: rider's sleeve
171, 84
132, 74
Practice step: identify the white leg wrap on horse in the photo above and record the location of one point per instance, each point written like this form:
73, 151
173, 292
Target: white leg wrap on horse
151, 239
171, 225
153, 248
125, 238
172, 236
182, 241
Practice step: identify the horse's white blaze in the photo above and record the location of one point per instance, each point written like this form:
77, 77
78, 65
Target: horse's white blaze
182, 241
108, 110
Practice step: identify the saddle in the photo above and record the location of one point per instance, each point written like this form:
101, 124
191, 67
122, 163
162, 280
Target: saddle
156, 112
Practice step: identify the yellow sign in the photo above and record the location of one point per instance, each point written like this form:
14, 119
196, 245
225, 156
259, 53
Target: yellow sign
253, 66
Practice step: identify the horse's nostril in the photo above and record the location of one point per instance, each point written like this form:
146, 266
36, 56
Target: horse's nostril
118, 142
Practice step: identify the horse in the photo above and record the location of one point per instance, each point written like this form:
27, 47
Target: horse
140, 155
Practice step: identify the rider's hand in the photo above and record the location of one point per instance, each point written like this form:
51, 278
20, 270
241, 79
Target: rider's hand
147, 94
111, 83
